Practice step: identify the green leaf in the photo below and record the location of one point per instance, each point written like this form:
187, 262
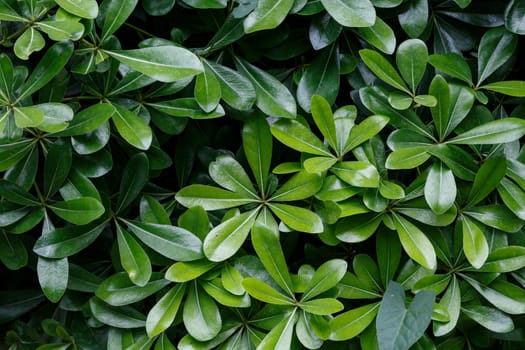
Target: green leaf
357, 173
132, 128
80, 8
48, 67
206, 4
391, 190
299, 137
163, 63
506, 296
14, 304
383, 69
388, 250
504, 259
195, 220
380, 35
364, 131
114, 14
457, 159
257, 145
436, 283
400, 100
415, 243
513, 197
514, 14
207, 89
187, 107
496, 47
322, 307
414, 19
351, 13
53, 277
56, 116
215, 289
120, 317
300, 186
425, 100
231, 279
118, 289
200, 314
490, 318
280, 337
153, 212
13, 253
16, 194
515, 88
318, 164
306, 333
30, 41
272, 97
299, 219
411, 60
62, 29
210, 198
440, 188
163, 343
357, 228
236, 90
26, 117
497, 216
186, 271
452, 64
487, 179
79, 211
173, 242
224, 240
8, 13
134, 259
327, 276
88, 120
163, 313
63, 242
351, 323
134, 177
262, 291
268, 248
323, 31
56, 167
320, 78
451, 301
475, 245
267, 15
441, 112
397, 326
493, 132
324, 119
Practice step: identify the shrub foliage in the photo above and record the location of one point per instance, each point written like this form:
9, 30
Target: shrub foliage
271, 174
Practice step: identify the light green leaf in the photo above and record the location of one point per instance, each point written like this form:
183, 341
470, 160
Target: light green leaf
436, 283
497, 216
415, 243
300, 219
210, 198
153, 212
380, 35
318, 164
357, 228
364, 131
300, 186
324, 119
120, 317
383, 69
200, 314
262, 291
267, 15
81, 8
299, 137
215, 289
8, 13
134, 259
207, 90
56, 116
27, 117
441, 112
30, 41
504, 259
272, 97
351, 13
163, 63
440, 188
88, 120
451, 301
411, 60
515, 88
490, 318
452, 64
493, 132
513, 197
185, 271
357, 173
397, 326
228, 173
132, 128
224, 240
118, 289
79, 211
67, 241
351, 323
280, 337
114, 14
163, 313
322, 307
324, 278
257, 144
236, 90
475, 245
61, 30
53, 277
173, 242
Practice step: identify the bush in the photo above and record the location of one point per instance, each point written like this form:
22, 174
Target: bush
271, 174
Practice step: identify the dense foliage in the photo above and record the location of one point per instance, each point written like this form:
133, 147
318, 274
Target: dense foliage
262, 174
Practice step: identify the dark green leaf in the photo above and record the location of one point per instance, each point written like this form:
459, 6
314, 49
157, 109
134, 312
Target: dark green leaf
236, 90
56, 168
133, 258
351, 13
118, 289
257, 144
114, 14
120, 317
133, 129
79, 211
411, 60
134, 178
496, 47
53, 277
13, 254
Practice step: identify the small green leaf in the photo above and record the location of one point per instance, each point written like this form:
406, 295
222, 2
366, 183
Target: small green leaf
272, 97
357, 173
88, 120
267, 15
436, 283
133, 258
262, 291
514, 14
300, 186
513, 197
215, 289
186, 271
383, 69
475, 245
451, 301
414, 19
26, 117
397, 326
30, 41
407, 158
56, 167
497, 216
163, 63
171, 241
134, 177
236, 90
388, 250
200, 314
13, 253
487, 179
380, 35
153, 212
322, 307
53, 277
364, 131
324, 119
79, 211
297, 218
280, 337
163, 313
299, 137
440, 188
351, 323
351, 13
62, 30
187, 107
224, 240
411, 60
133, 129
452, 64
415, 243
441, 111
80, 8
357, 228
326, 277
